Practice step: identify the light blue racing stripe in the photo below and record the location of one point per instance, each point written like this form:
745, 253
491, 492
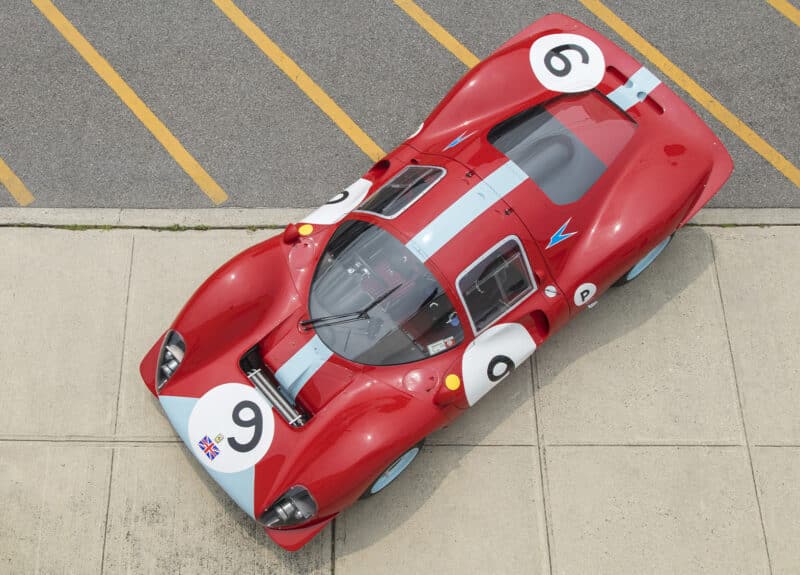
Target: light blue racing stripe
302, 366
635, 90
238, 485
465, 210
178, 410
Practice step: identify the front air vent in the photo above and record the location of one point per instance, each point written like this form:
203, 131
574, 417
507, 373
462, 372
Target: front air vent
258, 374
621, 83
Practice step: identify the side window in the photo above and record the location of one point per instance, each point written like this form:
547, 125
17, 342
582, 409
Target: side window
496, 283
402, 190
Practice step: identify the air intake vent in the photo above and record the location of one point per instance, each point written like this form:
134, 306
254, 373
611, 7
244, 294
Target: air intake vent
260, 376
629, 90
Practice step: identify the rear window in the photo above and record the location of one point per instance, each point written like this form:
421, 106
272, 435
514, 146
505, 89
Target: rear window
402, 190
565, 145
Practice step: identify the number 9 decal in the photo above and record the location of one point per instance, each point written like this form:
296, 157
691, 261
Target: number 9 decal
256, 422
231, 428
567, 62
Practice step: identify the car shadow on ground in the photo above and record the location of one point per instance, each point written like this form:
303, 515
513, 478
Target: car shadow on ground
497, 419
626, 308
620, 311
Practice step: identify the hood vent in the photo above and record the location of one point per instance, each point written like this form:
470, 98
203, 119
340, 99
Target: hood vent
262, 379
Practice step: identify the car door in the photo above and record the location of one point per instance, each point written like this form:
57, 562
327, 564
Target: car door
509, 301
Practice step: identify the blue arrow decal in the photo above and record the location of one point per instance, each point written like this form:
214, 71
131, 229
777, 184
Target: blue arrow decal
560, 236
458, 140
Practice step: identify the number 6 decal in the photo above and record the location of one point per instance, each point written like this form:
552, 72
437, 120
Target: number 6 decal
567, 62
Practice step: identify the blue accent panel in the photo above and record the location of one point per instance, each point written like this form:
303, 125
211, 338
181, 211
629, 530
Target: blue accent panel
635, 90
465, 210
560, 236
302, 366
645, 262
395, 470
178, 410
240, 486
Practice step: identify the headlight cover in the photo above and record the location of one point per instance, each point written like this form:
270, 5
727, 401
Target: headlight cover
170, 357
293, 507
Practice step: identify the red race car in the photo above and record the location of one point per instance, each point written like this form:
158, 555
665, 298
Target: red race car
306, 372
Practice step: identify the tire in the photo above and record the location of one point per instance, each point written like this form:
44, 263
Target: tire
644, 263
393, 471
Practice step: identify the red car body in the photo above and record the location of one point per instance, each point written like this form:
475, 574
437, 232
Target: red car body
658, 165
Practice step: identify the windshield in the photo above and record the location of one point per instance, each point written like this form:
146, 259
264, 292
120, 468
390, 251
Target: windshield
408, 315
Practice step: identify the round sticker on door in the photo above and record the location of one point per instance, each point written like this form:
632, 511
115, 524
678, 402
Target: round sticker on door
231, 428
567, 62
584, 293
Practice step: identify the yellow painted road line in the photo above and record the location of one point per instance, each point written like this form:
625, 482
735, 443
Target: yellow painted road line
440, 34
14, 185
720, 112
171, 144
301, 79
786, 9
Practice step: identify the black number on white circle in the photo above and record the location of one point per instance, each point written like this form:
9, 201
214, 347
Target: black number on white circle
566, 65
339, 198
256, 422
499, 360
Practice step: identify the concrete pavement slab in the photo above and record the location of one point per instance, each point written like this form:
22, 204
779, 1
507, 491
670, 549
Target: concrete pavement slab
649, 364
167, 516
633, 510
758, 272
167, 268
778, 476
62, 299
747, 217
59, 216
455, 510
505, 416
213, 217
54, 507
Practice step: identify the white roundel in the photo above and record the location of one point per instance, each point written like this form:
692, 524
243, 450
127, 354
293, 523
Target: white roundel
567, 62
340, 204
492, 356
231, 428
584, 293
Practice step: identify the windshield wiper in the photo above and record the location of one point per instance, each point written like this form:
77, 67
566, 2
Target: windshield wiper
327, 320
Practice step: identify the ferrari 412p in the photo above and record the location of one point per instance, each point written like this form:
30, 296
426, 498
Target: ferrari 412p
307, 371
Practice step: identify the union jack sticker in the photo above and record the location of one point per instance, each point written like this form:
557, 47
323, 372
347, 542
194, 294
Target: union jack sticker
208, 447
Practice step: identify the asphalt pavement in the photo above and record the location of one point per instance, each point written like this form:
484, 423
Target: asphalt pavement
74, 143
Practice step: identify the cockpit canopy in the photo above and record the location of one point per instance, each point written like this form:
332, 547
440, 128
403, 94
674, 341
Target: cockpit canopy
361, 265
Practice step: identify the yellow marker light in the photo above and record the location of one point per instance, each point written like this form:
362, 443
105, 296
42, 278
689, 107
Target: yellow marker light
452, 382
305, 230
